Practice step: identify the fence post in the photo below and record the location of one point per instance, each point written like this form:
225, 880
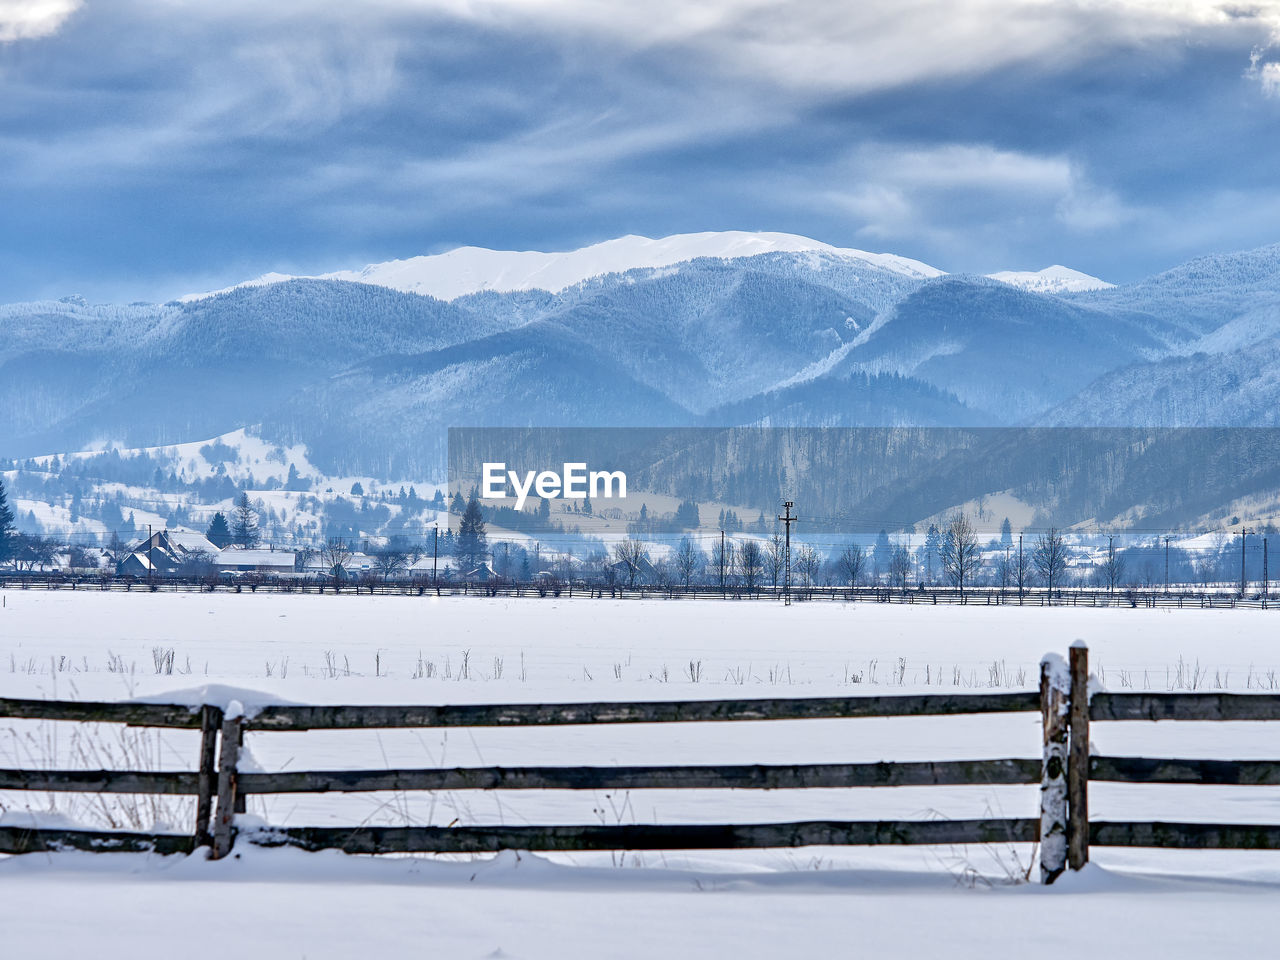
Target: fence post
241, 806
1055, 684
210, 721
223, 830
1078, 759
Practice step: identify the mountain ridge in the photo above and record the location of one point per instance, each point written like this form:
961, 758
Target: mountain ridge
466, 270
369, 377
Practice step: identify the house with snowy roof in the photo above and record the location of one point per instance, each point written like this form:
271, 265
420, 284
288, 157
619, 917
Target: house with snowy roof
165, 552
266, 560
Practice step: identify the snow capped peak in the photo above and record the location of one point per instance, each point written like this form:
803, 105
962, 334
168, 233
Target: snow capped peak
465, 270
1054, 279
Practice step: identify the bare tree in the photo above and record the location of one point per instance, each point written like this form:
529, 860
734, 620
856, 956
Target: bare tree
1050, 558
775, 558
687, 560
899, 567
751, 564
1023, 571
1004, 571
723, 558
1113, 568
302, 557
388, 560
336, 554
1206, 567
852, 564
196, 564
663, 573
115, 550
564, 565
808, 562
32, 549
630, 553
596, 564
959, 550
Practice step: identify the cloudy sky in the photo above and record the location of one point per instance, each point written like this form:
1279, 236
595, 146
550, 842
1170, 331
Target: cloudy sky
154, 147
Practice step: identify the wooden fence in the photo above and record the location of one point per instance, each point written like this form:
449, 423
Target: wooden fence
1179, 595
1064, 769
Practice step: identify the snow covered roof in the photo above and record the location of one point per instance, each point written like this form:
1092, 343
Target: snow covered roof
187, 540
190, 540
255, 558
353, 561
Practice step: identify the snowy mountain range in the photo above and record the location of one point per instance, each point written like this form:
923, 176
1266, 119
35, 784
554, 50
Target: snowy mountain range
454, 274
465, 270
367, 370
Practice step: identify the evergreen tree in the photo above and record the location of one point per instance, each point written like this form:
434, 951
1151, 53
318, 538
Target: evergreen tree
1006, 533
219, 533
471, 546
244, 523
7, 530
687, 515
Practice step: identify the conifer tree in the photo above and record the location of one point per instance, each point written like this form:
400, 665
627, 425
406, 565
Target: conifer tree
7, 530
244, 525
219, 533
471, 546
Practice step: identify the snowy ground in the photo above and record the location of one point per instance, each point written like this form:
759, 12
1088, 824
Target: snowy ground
873, 902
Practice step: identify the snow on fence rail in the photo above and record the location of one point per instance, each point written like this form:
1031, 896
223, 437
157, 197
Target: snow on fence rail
1064, 770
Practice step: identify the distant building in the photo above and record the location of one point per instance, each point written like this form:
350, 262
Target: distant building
354, 565
425, 565
480, 574
639, 572
238, 560
166, 552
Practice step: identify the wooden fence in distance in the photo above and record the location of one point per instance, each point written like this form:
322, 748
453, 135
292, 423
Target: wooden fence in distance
1178, 595
1063, 771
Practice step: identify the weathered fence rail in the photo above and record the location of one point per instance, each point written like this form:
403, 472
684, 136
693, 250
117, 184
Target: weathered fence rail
1064, 770
657, 711
650, 836
742, 777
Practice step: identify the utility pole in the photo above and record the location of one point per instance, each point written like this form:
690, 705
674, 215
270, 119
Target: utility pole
1266, 580
722, 592
435, 552
787, 519
1021, 568
151, 559
1244, 532
1166, 563
1111, 563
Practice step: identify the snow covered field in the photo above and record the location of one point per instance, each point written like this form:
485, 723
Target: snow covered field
873, 902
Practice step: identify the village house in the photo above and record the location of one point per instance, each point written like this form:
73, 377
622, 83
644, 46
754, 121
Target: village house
166, 552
